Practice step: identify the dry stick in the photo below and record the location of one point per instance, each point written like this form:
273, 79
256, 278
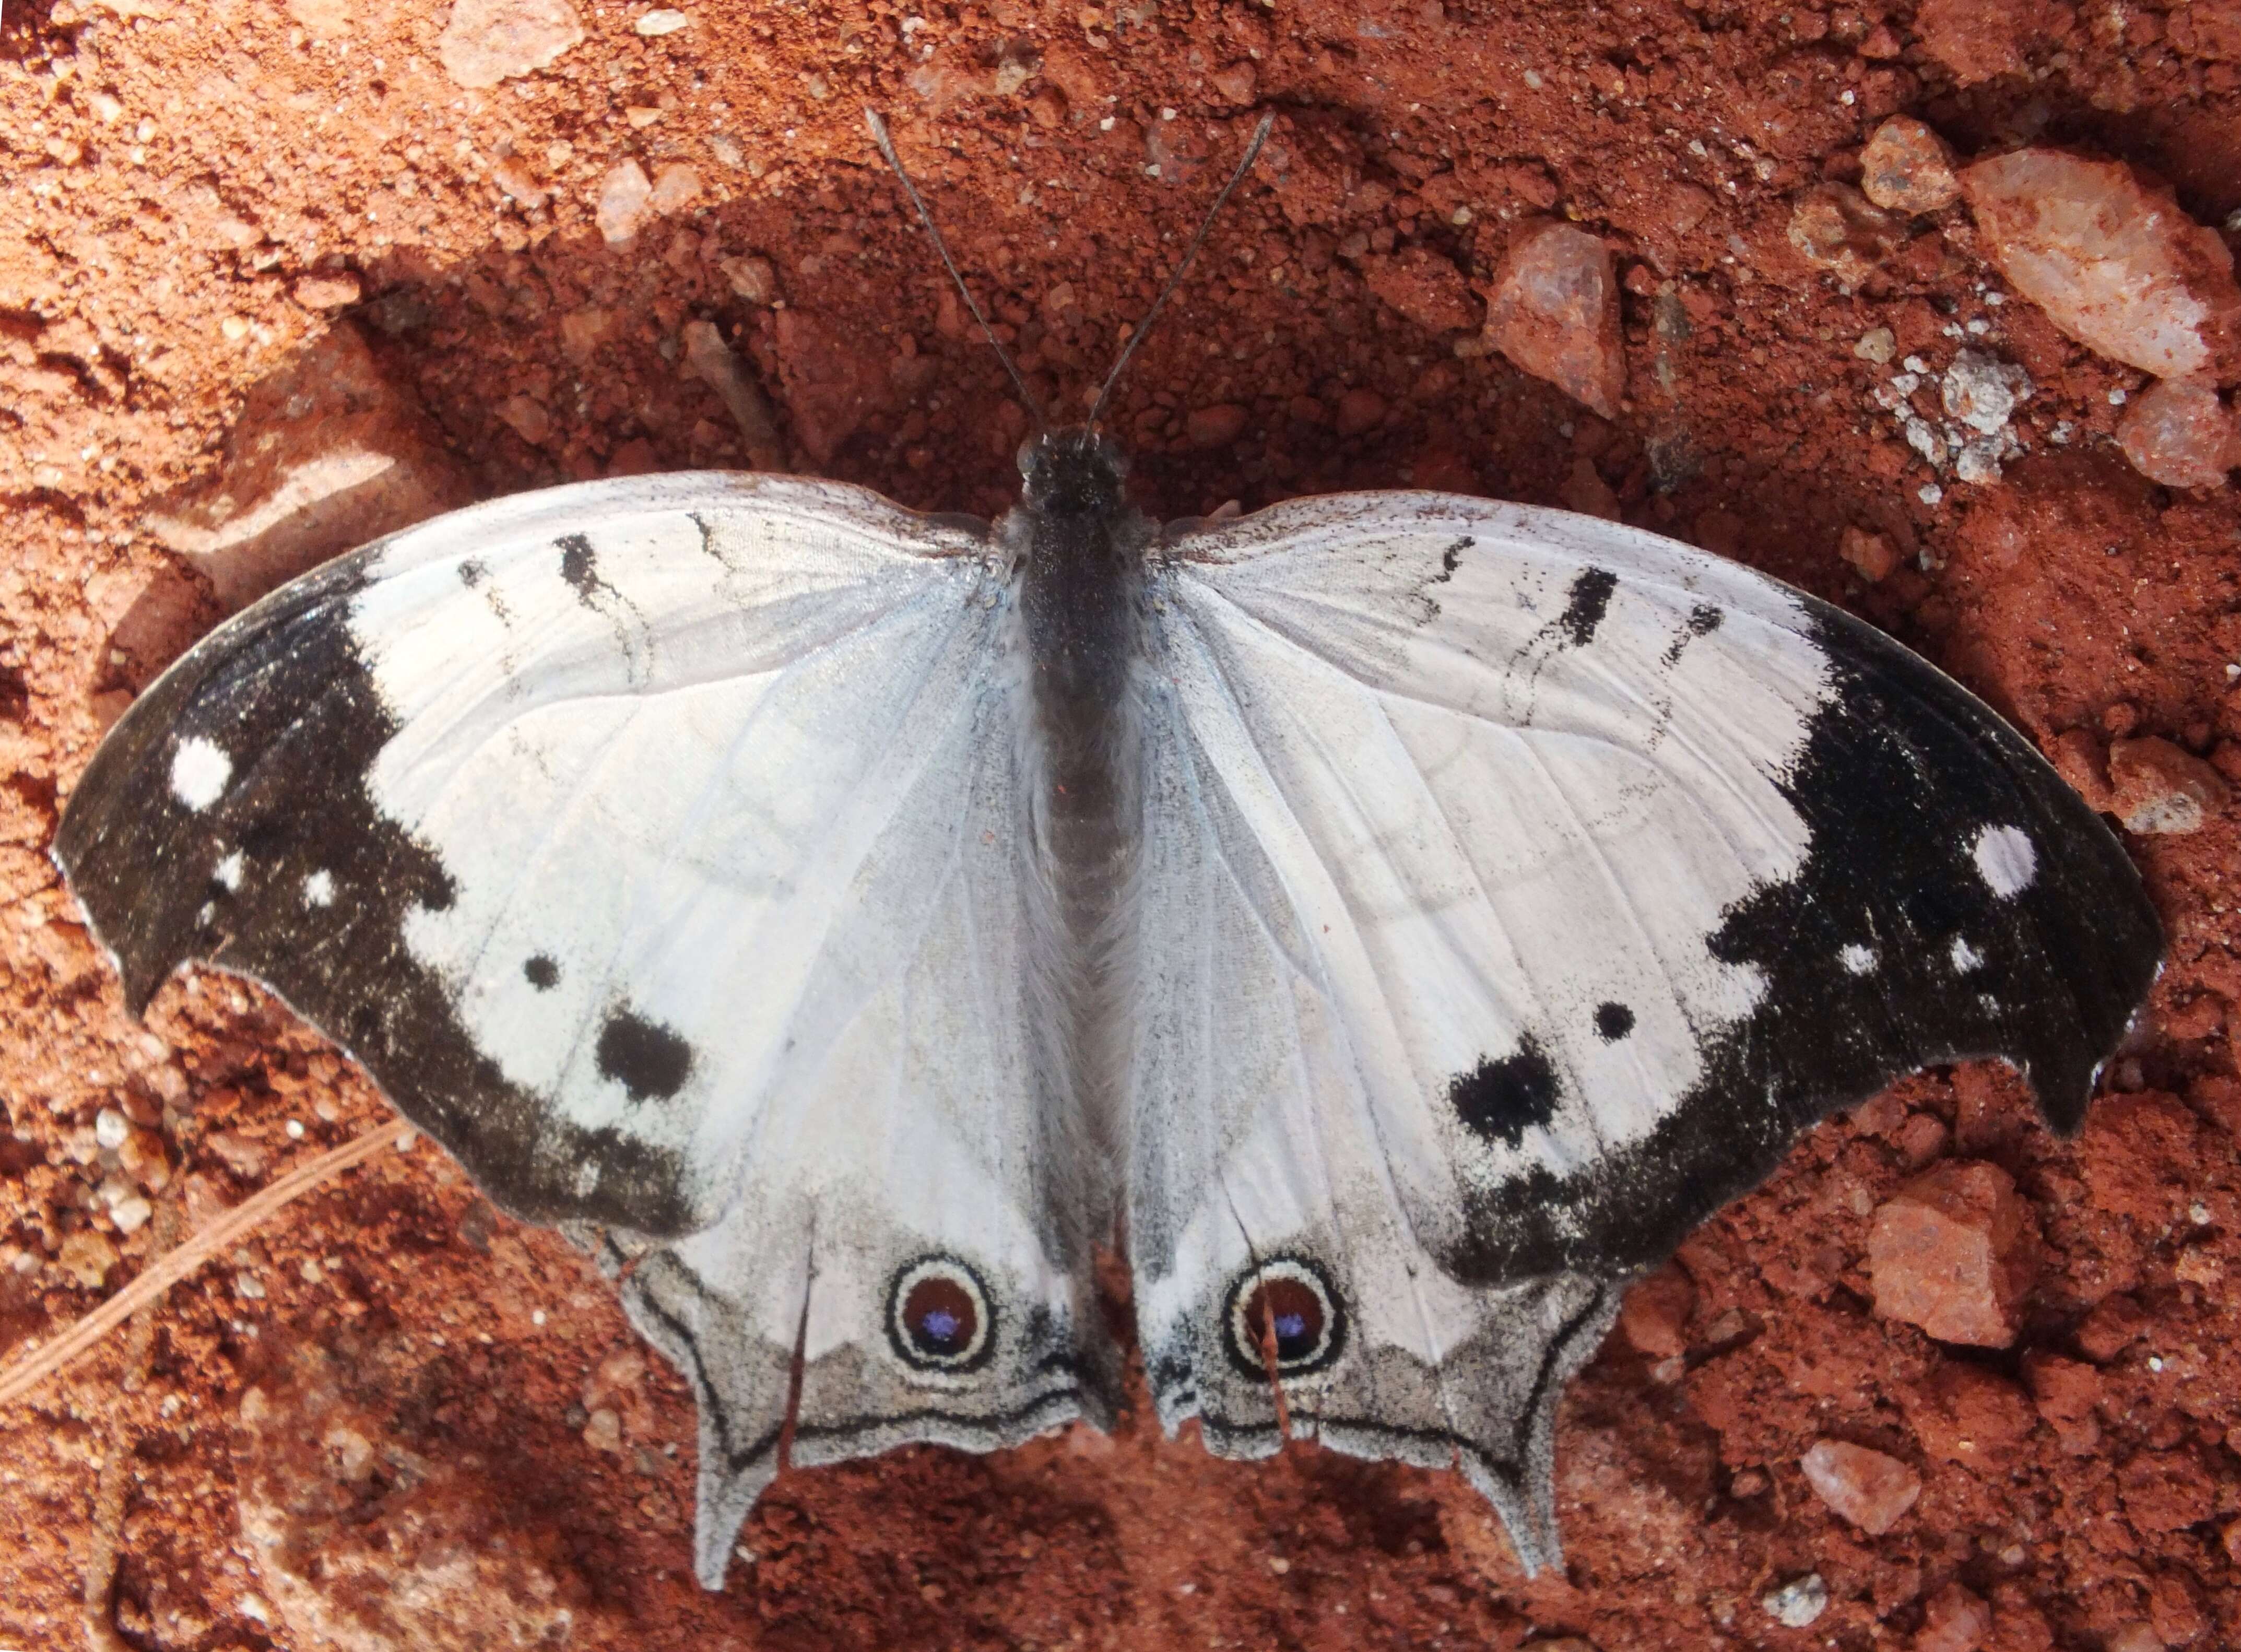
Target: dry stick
712, 360
175, 1265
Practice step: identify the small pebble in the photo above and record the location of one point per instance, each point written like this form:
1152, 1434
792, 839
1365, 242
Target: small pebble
86, 1257
604, 1431
1798, 1603
1878, 345
1907, 167
1872, 555
624, 195
2180, 434
1838, 229
2159, 787
653, 23
487, 41
1983, 391
1954, 1620
1554, 310
2114, 261
1868, 1489
675, 187
327, 292
110, 1129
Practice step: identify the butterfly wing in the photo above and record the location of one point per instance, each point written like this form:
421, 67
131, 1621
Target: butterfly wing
661, 847
1514, 886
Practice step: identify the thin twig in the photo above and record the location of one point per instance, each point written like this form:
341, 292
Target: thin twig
175, 1265
712, 361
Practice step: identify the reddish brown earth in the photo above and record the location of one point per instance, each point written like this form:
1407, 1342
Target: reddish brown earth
397, 1417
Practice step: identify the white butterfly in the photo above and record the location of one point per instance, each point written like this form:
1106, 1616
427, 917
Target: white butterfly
1400, 915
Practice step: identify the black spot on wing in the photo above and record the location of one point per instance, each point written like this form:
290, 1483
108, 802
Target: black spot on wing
1452, 558
1498, 1100
1585, 606
1900, 769
286, 686
541, 973
472, 573
1613, 1022
579, 566
1704, 620
648, 1059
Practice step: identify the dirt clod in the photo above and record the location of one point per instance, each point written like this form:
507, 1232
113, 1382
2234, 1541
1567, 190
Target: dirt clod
1955, 1251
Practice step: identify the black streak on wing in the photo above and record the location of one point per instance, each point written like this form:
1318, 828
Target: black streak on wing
282, 689
1500, 1100
1901, 769
1584, 608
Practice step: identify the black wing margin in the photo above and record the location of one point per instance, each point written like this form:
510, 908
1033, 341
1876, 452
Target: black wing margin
1892, 948
289, 876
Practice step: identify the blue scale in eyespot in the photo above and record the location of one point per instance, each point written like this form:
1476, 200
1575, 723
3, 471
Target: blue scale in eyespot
940, 1324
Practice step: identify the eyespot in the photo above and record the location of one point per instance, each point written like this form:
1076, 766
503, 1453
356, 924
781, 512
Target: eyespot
938, 1316
1293, 1296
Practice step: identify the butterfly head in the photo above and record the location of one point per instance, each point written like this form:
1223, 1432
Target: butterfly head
1072, 472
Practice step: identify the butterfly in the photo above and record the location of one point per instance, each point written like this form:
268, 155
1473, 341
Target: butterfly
1393, 920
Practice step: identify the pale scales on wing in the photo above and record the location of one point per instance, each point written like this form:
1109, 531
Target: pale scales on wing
1401, 915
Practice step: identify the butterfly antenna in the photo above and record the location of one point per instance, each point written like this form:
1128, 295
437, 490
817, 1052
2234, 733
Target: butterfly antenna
1252, 151
887, 151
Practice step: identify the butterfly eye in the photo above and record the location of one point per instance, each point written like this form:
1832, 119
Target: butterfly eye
938, 1315
1292, 1300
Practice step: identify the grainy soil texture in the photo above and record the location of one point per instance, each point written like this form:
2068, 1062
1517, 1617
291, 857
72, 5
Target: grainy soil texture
275, 275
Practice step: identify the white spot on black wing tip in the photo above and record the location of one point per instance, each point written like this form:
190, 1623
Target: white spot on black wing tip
1857, 960
199, 772
1965, 957
2006, 860
649, 1061
228, 871
940, 1317
1292, 1298
319, 889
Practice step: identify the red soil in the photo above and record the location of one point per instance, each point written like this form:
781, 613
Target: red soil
170, 173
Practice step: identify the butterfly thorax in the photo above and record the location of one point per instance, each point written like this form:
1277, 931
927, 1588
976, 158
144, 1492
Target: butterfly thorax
1079, 545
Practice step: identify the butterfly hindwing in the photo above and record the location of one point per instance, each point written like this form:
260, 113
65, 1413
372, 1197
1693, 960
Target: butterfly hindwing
1544, 878
662, 847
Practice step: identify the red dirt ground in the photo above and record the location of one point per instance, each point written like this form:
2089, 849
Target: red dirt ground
171, 170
